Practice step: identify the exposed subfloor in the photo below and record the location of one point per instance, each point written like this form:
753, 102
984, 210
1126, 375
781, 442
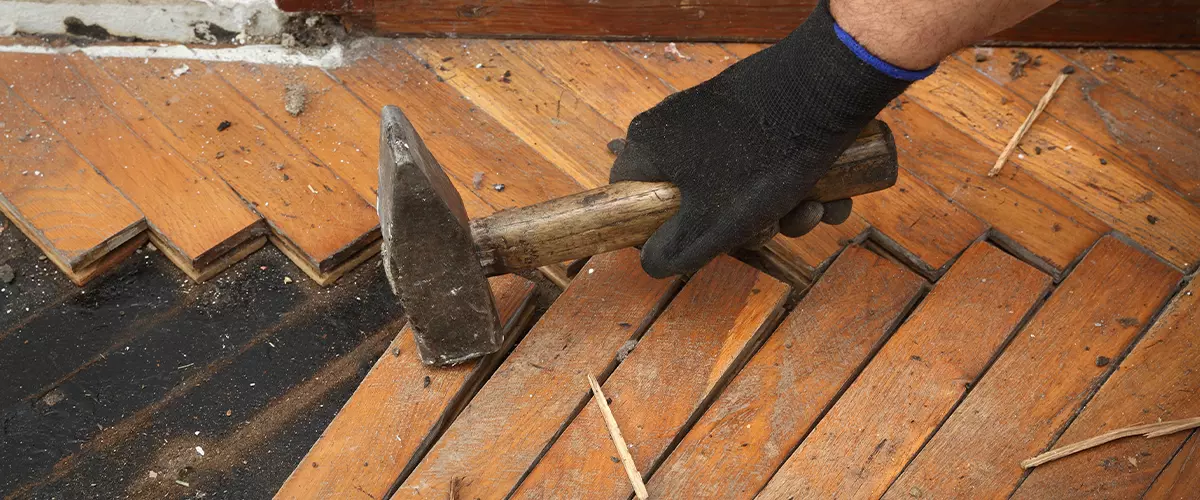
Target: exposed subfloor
957, 325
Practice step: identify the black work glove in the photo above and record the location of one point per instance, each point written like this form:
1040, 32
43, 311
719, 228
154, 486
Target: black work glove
746, 147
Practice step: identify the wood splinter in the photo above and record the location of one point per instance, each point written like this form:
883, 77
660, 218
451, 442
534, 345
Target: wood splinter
1016, 138
1157, 429
635, 477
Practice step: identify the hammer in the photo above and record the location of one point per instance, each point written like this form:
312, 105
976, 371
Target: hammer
438, 262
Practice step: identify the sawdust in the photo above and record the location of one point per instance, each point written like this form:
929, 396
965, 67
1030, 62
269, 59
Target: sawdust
295, 98
1020, 61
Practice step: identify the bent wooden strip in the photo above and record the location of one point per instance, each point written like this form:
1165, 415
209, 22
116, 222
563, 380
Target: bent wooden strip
529, 399
397, 410
55, 197
1154, 383
323, 225
748, 432
689, 352
916, 379
196, 218
1181, 478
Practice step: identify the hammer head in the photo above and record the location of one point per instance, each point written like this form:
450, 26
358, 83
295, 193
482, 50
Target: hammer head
428, 253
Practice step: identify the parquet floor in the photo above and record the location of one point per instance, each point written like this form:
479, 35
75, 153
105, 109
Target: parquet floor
957, 325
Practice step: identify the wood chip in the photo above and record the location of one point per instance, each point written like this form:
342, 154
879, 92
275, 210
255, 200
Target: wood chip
1157, 429
635, 477
1016, 138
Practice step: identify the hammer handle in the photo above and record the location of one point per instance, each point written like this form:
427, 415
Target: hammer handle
625, 214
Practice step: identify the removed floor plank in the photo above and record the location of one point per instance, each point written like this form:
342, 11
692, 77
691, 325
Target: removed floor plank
529, 399
1038, 382
1155, 382
196, 219
55, 197
316, 219
759, 419
914, 381
692, 350
393, 416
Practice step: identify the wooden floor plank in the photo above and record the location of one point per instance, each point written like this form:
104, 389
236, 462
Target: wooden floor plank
929, 229
551, 119
1045, 225
1181, 478
914, 381
1155, 78
466, 140
394, 414
334, 125
520, 409
1038, 383
57, 199
1114, 192
1188, 58
196, 218
759, 419
316, 219
1107, 113
690, 352
1154, 382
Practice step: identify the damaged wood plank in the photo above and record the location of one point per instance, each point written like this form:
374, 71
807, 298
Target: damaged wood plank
1038, 382
915, 380
1153, 383
397, 412
81, 222
533, 394
193, 216
722, 313
1106, 186
760, 417
316, 219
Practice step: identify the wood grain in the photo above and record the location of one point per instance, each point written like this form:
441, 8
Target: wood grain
920, 222
1036, 221
316, 219
397, 411
553, 120
466, 140
915, 380
57, 199
1154, 382
1156, 79
1160, 22
687, 356
1039, 381
1114, 191
1112, 114
196, 218
1181, 478
334, 125
530, 398
759, 419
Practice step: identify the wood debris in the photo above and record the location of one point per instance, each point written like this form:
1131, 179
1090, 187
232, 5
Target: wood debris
1157, 429
1016, 138
635, 477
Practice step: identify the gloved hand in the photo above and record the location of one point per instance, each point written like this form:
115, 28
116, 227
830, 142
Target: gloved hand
746, 147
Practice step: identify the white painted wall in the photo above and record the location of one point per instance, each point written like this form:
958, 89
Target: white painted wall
165, 20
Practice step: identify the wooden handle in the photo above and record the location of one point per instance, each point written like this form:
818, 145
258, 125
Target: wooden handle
625, 214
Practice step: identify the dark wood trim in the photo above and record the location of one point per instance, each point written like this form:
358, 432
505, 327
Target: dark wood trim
1069, 22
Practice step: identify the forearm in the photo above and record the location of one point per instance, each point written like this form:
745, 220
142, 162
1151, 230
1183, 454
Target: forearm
916, 34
